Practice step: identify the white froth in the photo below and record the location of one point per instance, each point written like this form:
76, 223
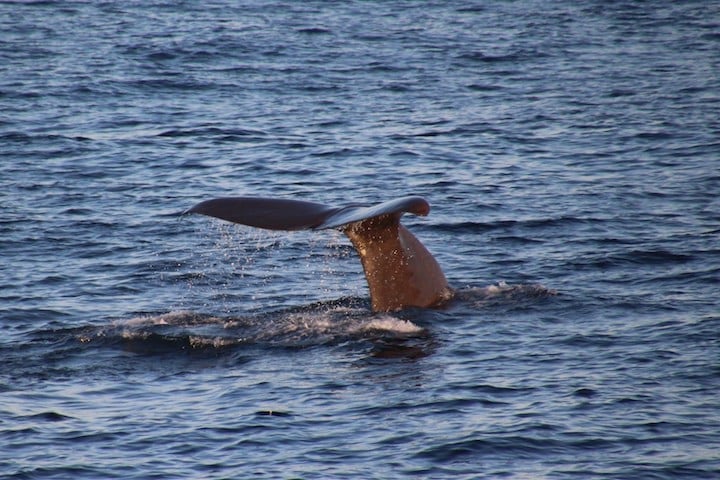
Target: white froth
179, 317
389, 323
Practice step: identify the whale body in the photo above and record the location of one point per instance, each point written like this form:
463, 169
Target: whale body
399, 270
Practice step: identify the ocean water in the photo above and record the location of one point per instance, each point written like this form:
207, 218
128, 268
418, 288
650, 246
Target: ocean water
571, 155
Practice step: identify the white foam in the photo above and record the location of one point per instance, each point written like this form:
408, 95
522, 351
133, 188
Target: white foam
215, 342
498, 288
302, 327
388, 323
179, 317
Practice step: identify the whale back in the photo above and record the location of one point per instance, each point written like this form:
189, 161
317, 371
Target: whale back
399, 270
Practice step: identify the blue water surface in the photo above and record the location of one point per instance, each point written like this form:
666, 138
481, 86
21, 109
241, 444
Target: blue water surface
570, 152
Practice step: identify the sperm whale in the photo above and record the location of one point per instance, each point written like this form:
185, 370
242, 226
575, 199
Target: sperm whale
399, 270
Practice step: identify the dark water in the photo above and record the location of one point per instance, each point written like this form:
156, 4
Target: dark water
566, 146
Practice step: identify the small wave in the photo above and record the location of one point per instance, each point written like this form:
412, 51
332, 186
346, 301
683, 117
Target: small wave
656, 257
502, 292
213, 132
489, 58
484, 87
165, 84
530, 223
634, 257
49, 416
314, 31
180, 317
656, 135
512, 445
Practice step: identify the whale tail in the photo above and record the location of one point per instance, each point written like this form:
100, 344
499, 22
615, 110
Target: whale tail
399, 270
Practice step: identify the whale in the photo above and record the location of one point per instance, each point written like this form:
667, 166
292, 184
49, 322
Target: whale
400, 271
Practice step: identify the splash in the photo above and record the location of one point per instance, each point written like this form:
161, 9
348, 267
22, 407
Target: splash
254, 268
323, 323
186, 330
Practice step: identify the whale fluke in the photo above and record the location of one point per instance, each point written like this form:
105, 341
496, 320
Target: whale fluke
399, 270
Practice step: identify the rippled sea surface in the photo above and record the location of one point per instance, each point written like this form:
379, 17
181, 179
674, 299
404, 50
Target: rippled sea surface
571, 155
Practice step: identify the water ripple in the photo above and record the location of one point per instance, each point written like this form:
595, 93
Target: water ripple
569, 157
